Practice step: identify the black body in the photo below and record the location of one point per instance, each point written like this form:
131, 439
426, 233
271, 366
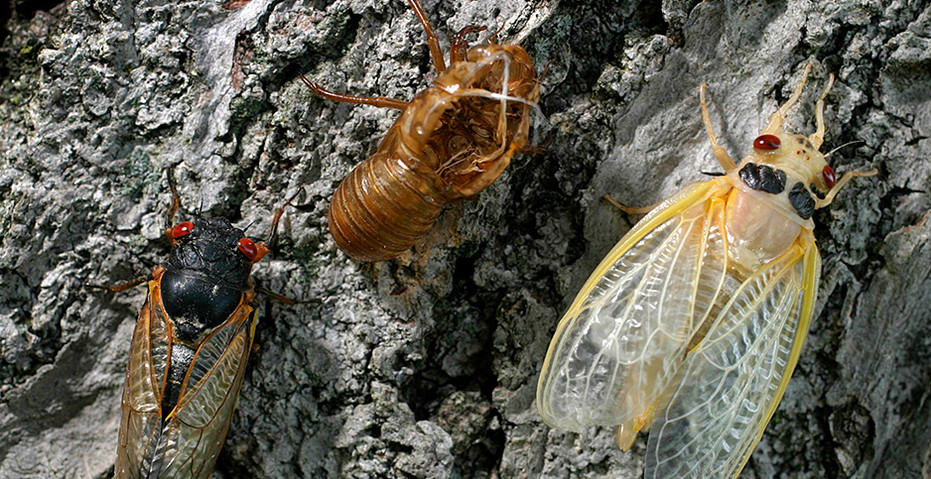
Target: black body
205, 277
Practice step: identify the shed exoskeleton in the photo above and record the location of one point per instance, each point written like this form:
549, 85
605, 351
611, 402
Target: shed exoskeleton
452, 140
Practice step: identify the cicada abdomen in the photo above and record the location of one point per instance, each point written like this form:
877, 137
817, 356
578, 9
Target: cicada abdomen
453, 140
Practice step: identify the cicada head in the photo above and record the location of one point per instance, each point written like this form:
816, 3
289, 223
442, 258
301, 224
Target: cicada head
796, 154
215, 249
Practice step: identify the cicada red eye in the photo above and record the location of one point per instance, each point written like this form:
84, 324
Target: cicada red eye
829, 178
182, 229
766, 142
248, 248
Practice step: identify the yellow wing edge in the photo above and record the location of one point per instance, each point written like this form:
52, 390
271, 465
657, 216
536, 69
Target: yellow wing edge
676, 204
811, 274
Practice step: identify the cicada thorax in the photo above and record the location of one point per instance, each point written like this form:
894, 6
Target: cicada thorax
205, 280
450, 142
776, 189
205, 277
491, 94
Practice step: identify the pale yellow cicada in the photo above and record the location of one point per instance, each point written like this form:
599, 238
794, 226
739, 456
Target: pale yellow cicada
692, 325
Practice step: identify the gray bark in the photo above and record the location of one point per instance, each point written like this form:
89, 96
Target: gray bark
426, 366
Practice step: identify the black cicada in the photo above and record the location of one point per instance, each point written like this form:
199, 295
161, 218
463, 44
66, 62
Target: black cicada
189, 350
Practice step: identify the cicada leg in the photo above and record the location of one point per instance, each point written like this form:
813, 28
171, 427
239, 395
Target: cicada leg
719, 152
436, 54
779, 117
540, 148
120, 287
493, 38
627, 433
631, 210
263, 248
457, 51
276, 218
379, 101
282, 298
821, 203
433, 42
817, 138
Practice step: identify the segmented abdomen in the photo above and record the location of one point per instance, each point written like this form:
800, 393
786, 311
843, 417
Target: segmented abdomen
383, 207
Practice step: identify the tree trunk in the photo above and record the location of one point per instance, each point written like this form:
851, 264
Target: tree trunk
426, 366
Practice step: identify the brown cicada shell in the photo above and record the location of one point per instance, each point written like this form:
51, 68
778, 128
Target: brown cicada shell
451, 141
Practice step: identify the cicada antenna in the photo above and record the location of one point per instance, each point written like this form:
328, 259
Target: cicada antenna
845, 144
175, 199
246, 228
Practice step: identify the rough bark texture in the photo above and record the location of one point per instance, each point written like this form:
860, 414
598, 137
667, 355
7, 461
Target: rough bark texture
426, 366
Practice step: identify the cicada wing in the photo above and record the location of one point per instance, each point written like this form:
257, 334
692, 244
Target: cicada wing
197, 427
141, 404
735, 378
621, 342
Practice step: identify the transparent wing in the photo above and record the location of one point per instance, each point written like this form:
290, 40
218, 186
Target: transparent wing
735, 378
625, 335
196, 429
141, 410
187, 444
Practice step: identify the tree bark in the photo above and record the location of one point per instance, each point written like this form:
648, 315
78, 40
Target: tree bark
426, 366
